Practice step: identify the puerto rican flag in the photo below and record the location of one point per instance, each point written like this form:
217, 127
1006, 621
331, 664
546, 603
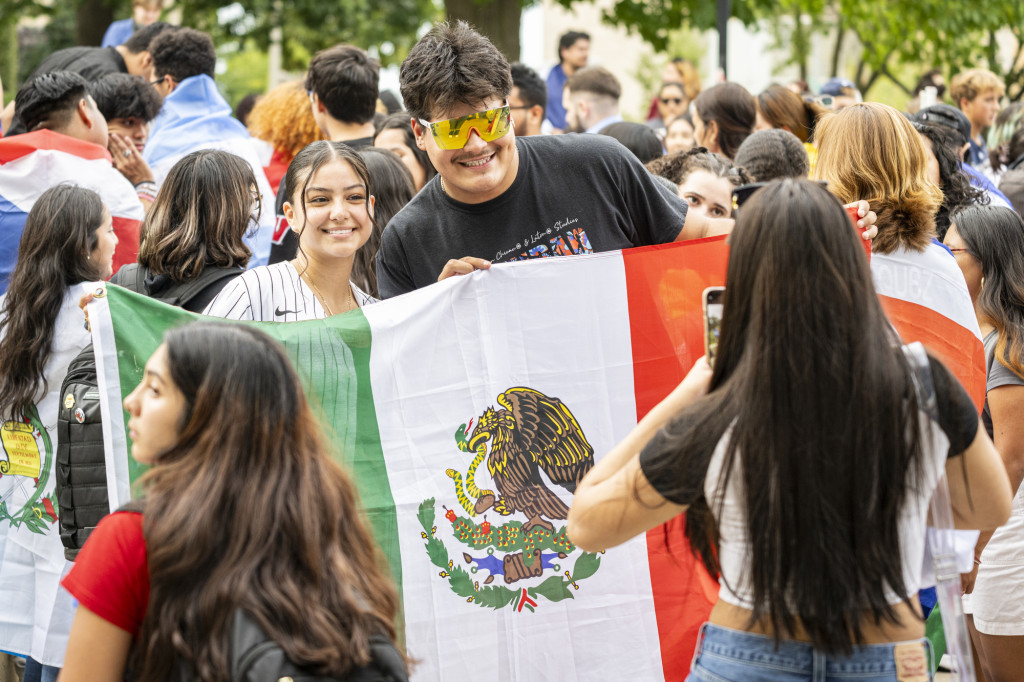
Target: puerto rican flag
33, 162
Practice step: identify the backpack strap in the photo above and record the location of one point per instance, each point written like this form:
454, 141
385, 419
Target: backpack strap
132, 276
181, 294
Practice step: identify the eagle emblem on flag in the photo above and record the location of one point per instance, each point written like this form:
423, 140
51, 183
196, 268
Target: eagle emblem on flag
528, 435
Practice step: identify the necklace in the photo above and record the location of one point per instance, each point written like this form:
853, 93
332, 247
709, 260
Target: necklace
443, 188
323, 301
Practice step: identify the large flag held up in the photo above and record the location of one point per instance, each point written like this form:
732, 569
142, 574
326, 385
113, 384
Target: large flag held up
418, 393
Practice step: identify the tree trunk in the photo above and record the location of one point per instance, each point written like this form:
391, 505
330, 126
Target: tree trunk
93, 17
496, 19
838, 49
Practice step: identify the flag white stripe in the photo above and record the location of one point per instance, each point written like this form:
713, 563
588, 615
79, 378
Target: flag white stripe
20, 180
931, 279
440, 356
115, 442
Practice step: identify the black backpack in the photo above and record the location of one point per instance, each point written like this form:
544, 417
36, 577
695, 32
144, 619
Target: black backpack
81, 470
257, 658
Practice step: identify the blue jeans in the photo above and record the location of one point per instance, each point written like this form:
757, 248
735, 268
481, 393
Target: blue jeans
37, 672
725, 655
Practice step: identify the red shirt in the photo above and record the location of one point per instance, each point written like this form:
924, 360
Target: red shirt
110, 576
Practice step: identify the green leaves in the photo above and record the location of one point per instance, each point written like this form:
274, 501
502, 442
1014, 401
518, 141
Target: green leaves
586, 566
554, 588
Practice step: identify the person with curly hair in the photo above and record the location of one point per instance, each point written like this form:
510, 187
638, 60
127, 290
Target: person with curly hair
945, 170
129, 104
283, 119
704, 179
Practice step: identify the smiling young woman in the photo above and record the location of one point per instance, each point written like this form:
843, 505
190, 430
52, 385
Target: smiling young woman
331, 211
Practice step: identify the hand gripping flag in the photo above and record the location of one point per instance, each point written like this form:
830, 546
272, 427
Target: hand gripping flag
33, 162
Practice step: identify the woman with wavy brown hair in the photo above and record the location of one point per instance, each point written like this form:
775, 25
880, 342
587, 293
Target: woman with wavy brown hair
68, 239
780, 107
871, 151
243, 509
205, 207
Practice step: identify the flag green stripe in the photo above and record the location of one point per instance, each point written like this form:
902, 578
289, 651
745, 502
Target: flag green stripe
332, 358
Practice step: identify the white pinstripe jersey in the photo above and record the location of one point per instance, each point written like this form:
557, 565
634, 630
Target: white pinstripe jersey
273, 293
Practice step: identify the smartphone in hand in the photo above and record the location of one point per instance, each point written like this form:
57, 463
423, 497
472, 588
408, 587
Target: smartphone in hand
712, 321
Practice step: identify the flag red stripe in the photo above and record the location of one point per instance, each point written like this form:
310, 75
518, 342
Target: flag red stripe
18, 146
664, 286
127, 231
958, 348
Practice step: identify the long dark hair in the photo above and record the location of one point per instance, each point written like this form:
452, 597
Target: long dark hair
392, 189
994, 236
803, 339
247, 510
59, 236
312, 158
733, 109
401, 121
199, 216
957, 190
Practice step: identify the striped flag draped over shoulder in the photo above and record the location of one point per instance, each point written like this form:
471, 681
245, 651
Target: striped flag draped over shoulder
33, 162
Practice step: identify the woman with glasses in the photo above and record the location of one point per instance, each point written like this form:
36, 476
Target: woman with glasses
988, 242
672, 103
806, 493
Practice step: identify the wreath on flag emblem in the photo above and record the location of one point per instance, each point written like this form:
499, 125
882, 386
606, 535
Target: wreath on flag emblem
530, 433
24, 472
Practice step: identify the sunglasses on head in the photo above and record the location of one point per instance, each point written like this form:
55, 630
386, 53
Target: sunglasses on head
671, 100
454, 132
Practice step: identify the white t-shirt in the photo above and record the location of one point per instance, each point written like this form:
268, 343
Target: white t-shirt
273, 293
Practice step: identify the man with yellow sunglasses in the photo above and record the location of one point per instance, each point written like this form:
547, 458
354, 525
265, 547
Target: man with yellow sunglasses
499, 198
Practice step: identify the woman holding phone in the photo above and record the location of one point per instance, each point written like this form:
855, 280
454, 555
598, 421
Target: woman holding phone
794, 460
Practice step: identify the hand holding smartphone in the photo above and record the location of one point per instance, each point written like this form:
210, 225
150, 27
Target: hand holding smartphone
712, 321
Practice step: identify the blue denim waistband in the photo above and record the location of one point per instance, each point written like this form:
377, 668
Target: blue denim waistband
727, 654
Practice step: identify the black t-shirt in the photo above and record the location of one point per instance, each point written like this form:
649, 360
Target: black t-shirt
957, 417
91, 63
573, 194
286, 243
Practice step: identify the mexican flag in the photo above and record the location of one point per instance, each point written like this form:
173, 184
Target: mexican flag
465, 412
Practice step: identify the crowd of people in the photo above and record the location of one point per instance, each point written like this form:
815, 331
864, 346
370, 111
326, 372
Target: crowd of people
805, 458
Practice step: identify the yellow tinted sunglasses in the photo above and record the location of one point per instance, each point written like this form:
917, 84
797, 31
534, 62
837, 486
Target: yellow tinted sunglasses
454, 133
